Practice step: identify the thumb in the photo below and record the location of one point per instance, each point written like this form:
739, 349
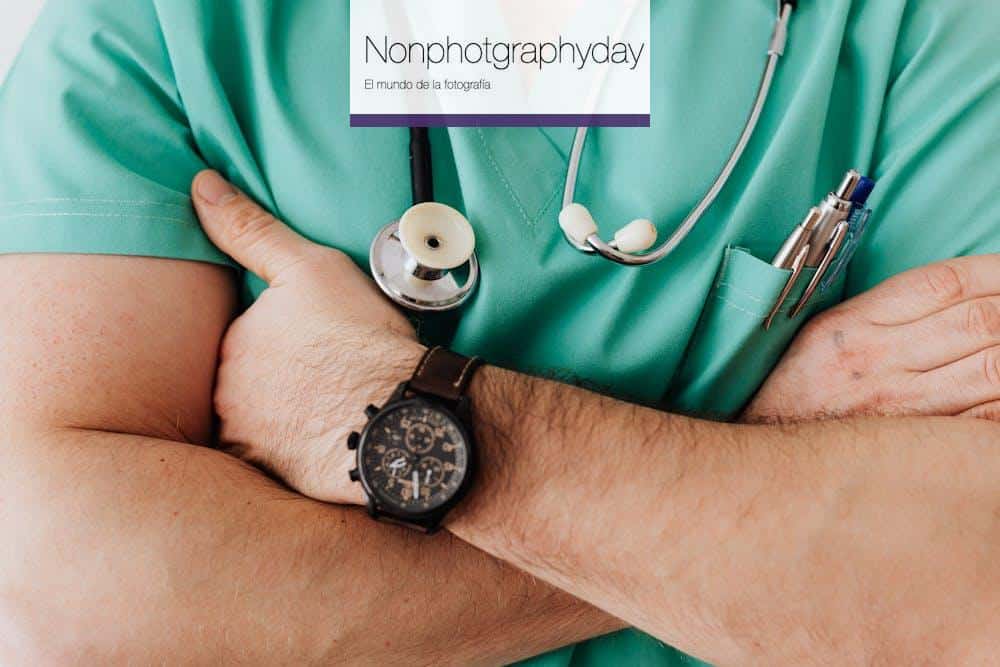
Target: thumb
243, 230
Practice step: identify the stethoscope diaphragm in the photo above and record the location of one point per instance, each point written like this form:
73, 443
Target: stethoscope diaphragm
419, 259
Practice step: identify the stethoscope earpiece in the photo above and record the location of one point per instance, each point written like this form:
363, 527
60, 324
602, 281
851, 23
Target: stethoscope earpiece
579, 227
637, 236
415, 259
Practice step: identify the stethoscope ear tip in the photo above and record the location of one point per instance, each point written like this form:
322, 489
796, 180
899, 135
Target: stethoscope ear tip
577, 224
637, 236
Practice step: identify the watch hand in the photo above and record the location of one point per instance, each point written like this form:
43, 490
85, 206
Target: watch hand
416, 484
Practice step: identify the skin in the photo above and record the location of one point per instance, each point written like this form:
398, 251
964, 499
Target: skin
197, 557
774, 512
864, 541
926, 342
124, 540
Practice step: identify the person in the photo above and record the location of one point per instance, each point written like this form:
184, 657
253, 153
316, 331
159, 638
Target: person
823, 540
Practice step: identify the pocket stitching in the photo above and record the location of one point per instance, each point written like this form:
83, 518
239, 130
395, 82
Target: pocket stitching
742, 291
785, 308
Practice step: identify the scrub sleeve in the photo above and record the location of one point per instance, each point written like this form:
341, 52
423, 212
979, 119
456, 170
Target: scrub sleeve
95, 151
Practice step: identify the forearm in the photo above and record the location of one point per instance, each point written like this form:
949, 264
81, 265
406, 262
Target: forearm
721, 539
131, 549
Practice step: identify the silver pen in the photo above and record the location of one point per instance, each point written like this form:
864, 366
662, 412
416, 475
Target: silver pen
815, 242
792, 256
835, 208
798, 239
830, 233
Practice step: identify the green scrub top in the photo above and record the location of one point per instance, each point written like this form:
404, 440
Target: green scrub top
114, 105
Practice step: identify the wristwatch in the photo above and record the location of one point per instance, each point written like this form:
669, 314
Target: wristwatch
416, 456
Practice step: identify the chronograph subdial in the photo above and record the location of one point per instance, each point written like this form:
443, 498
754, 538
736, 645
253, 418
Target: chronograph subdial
397, 463
419, 437
431, 471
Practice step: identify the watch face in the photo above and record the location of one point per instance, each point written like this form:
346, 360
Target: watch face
413, 457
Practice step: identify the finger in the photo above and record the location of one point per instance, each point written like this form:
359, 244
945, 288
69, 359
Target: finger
922, 291
948, 335
245, 231
960, 386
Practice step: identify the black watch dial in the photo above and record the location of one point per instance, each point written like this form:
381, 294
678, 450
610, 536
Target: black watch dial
413, 457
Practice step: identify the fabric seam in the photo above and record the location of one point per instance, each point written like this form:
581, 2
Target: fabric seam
84, 200
120, 216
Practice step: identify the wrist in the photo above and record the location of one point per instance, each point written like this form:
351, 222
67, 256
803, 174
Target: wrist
416, 455
510, 411
389, 363
396, 361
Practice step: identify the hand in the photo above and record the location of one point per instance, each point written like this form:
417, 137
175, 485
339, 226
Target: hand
925, 342
298, 368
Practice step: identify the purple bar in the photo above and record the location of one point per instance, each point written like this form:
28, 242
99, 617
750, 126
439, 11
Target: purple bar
499, 120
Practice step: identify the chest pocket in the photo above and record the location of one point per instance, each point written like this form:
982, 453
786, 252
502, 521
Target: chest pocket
731, 353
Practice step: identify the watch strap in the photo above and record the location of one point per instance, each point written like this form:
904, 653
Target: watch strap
428, 525
444, 374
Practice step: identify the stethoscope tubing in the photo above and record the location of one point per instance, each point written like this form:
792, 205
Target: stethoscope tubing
421, 167
594, 243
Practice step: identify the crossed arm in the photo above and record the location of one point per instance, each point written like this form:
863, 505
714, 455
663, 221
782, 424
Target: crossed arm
122, 540
853, 541
191, 554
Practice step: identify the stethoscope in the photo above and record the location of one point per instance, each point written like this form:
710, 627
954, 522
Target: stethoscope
419, 260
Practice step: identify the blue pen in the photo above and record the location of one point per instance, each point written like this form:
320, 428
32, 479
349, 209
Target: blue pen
862, 191
857, 222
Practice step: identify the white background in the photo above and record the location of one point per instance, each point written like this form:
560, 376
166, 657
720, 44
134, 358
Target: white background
16, 17
520, 90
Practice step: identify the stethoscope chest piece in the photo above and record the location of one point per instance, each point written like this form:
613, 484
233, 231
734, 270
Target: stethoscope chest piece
417, 260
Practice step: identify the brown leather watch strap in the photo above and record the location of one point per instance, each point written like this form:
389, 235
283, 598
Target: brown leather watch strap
444, 374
